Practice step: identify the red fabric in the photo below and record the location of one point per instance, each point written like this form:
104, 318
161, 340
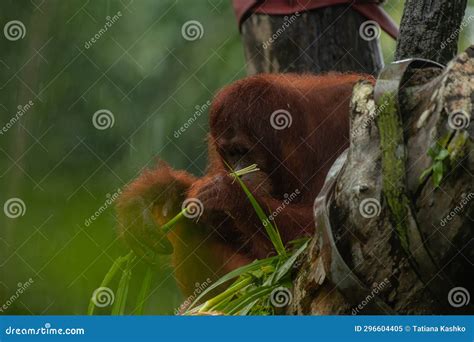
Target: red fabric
368, 8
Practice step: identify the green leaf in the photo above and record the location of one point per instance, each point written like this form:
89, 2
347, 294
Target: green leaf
233, 274
257, 279
257, 308
297, 243
443, 153
438, 155
221, 306
245, 311
435, 150
425, 174
283, 270
258, 293
231, 291
109, 276
144, 290
437, 173
273, 233
122, 290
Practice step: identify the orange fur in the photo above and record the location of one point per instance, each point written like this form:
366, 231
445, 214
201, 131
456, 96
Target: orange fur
297, 158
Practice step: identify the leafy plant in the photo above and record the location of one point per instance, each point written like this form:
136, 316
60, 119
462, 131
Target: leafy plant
250, 292
252, 284
272, 232
122, 290
439, 155
144, 291
125, 265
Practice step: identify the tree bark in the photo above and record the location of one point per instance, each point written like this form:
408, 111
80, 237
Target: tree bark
380, 275
429, 29
318, 41
386, 241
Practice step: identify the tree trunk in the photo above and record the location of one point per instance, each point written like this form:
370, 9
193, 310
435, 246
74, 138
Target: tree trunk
386, 240
358, 261
429, 29
322, 40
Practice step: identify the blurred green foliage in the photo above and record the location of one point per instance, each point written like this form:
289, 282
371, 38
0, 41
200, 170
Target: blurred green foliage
64, 169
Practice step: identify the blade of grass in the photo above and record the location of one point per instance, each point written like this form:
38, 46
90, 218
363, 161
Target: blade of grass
249, 297
166, 228
208, 305
245, 170
270, 280
233, 274
122, 289
288, 264
273, 234
108, 277
144, 290
246, 302
221, 306
246, 310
